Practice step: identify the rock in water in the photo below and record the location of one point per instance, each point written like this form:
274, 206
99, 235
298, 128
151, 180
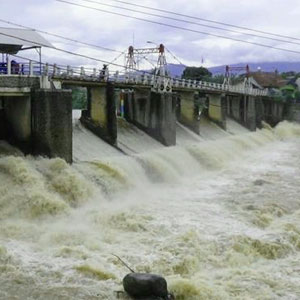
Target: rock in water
260, 182
139, 285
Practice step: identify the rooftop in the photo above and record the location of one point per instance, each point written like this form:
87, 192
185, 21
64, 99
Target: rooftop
13, 39
268, 79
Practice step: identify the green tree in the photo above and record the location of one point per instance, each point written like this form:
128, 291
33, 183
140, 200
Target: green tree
196, 73
286, 75
79, 97
218, 78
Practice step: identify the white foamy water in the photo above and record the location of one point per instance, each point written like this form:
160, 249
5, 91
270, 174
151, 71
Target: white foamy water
219, 219
86, 145
211, 131
184, 136
234, 127
133, 140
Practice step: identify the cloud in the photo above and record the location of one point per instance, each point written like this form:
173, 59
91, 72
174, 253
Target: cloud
118, 32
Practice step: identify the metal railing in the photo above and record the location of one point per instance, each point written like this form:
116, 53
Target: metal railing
20, 68
162, 83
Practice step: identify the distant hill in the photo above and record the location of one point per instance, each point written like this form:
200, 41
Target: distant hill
281, 66
176, 70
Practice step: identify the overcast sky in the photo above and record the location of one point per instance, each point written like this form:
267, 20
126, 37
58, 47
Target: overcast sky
116, 32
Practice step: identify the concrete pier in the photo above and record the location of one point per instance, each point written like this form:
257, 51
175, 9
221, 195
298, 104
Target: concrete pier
250, 112
247, 110
274, 111
217, 109
17, 117
234, 108
37, 120
189, 112
259, 110
52, 123
154, 113
292, 112
2, 122
100, 116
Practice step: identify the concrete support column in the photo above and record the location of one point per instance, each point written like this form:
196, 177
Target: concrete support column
155, 113
128, 105
274, 111
100, 116
52, 123
250, 112
277, 111
247, 110
259, 110
217, 109
2, 121
163, 118
234, 108
17, 114
292, 112
229, 106
189, 111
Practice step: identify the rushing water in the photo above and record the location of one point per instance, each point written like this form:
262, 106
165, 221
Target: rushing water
219, 219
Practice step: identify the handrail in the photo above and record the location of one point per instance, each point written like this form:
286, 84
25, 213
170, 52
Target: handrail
32, 68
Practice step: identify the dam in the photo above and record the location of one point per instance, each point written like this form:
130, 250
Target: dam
216, 212
208, 198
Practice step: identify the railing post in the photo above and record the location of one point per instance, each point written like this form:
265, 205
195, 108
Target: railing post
30, 68
69, 71
54, 69
46, 69
137, 78
171, 82
145, 81
82, 72
106, 74
153, 80
126, 77
8, 64
117, 76
94, 72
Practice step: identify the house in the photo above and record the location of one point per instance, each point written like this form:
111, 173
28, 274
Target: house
268, 80
263, 80
251, 82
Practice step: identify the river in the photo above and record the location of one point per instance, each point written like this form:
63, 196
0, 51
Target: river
219, 219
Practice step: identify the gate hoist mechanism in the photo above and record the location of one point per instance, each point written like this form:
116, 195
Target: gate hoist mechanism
229, 69
161, 81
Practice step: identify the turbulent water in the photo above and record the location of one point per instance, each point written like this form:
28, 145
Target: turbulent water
219, 219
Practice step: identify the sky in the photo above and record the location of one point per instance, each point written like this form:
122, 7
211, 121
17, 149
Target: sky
191, 48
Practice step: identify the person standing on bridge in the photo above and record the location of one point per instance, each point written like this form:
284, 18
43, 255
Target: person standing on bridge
14, 67
104, 73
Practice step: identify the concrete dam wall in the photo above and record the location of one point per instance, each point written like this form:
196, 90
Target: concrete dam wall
36, 116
